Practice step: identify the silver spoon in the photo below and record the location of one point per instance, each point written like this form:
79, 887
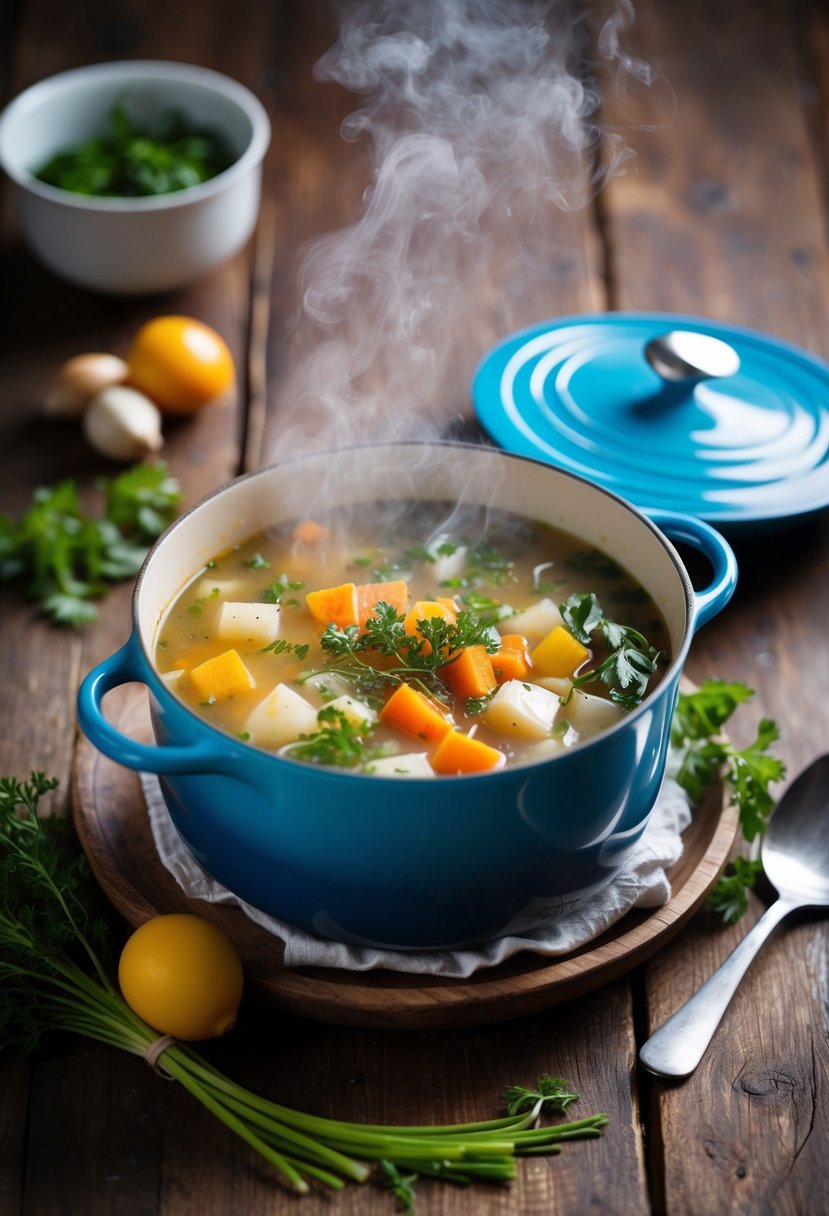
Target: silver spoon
683, 356
795, 854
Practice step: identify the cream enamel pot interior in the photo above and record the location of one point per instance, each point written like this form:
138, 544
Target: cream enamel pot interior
408, 863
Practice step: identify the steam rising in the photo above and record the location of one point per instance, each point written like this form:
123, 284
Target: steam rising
481, 126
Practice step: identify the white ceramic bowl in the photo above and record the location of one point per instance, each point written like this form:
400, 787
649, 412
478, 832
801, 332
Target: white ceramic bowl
131, 246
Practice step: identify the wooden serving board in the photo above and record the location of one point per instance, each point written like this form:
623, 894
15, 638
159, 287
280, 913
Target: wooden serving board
113, 827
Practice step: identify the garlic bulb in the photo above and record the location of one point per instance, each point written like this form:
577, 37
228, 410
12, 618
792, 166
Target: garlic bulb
78, 381
123, 424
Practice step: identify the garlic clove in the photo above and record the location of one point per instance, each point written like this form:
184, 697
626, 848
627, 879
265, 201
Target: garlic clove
122, 423
79, 380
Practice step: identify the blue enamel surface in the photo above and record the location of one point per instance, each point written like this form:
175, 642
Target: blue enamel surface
578, 393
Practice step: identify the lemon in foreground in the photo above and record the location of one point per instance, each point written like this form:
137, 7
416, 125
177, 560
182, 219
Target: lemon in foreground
181, 974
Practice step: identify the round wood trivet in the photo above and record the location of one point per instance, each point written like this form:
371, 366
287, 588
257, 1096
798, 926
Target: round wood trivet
111, 820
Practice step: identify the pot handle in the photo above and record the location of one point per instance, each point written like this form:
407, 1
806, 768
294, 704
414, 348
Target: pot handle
123, 667
689, 530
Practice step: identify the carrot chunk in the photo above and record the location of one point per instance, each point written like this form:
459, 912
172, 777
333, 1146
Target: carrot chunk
369, 595
512, 662
559, 654
223, 676
309, 532
337, 605
470, 673
458, 753
414, 713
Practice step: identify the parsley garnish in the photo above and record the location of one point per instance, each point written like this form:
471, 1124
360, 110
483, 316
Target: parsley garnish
275, 591
747, 772
65, 558
632, 660
340, 742
280, 646
257, 562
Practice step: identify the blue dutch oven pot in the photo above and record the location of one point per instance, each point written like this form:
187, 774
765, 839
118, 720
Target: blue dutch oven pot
408, 863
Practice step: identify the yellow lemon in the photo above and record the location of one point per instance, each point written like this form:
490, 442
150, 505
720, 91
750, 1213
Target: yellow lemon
180, 363
181, 974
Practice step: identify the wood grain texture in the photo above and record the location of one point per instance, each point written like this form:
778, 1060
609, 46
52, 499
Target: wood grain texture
723, 212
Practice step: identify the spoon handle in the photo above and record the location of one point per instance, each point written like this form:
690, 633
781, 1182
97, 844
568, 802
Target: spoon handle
678, 1046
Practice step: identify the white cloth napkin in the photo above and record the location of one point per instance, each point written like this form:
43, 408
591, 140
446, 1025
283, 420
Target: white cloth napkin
641, 883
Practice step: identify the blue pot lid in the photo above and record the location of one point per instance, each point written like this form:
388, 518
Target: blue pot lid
579, 393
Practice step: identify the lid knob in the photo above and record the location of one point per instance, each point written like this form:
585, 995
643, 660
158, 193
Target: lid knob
682, 356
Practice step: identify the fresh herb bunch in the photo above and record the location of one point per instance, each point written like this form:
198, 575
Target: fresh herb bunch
54, 950
127, 162
631, 661
339, 742
747, 772
415, 658
66, 559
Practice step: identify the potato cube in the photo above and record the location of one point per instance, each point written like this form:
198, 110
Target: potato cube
560, 685
254, 623
356, 712
534, 622
281, 718
590, 714
448, 564
408, 764
523, 710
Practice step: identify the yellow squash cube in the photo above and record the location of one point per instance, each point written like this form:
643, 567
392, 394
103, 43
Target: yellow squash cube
221, 677
559, 654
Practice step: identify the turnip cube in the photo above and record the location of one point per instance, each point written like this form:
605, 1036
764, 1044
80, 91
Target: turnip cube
172, 678
590, 714
534, 622
560, 685
255, 623
356, 712
410, 764
449, 564
281, 718
522, 710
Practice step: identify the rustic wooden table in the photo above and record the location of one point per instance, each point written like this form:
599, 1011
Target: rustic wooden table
720, 211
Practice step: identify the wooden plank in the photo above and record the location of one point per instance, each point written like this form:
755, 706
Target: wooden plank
733, 227
93, 1138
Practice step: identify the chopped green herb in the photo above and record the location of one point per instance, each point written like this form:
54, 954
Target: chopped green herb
747, 772
244, 735
126, 162
274, 592
401, 1186
477, 705
340, 742
66, 559
197, 607
257, 562
281, 646
632, 660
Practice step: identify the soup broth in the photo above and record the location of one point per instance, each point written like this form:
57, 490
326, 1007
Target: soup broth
421, 640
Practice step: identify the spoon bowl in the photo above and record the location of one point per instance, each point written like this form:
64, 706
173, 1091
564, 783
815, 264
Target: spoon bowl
795, 855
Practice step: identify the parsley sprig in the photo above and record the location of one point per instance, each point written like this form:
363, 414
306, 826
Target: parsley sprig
65, 559
747, 772
416, 658
340, 742
632, 659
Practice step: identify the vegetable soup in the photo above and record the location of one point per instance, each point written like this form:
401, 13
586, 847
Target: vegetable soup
421, 640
